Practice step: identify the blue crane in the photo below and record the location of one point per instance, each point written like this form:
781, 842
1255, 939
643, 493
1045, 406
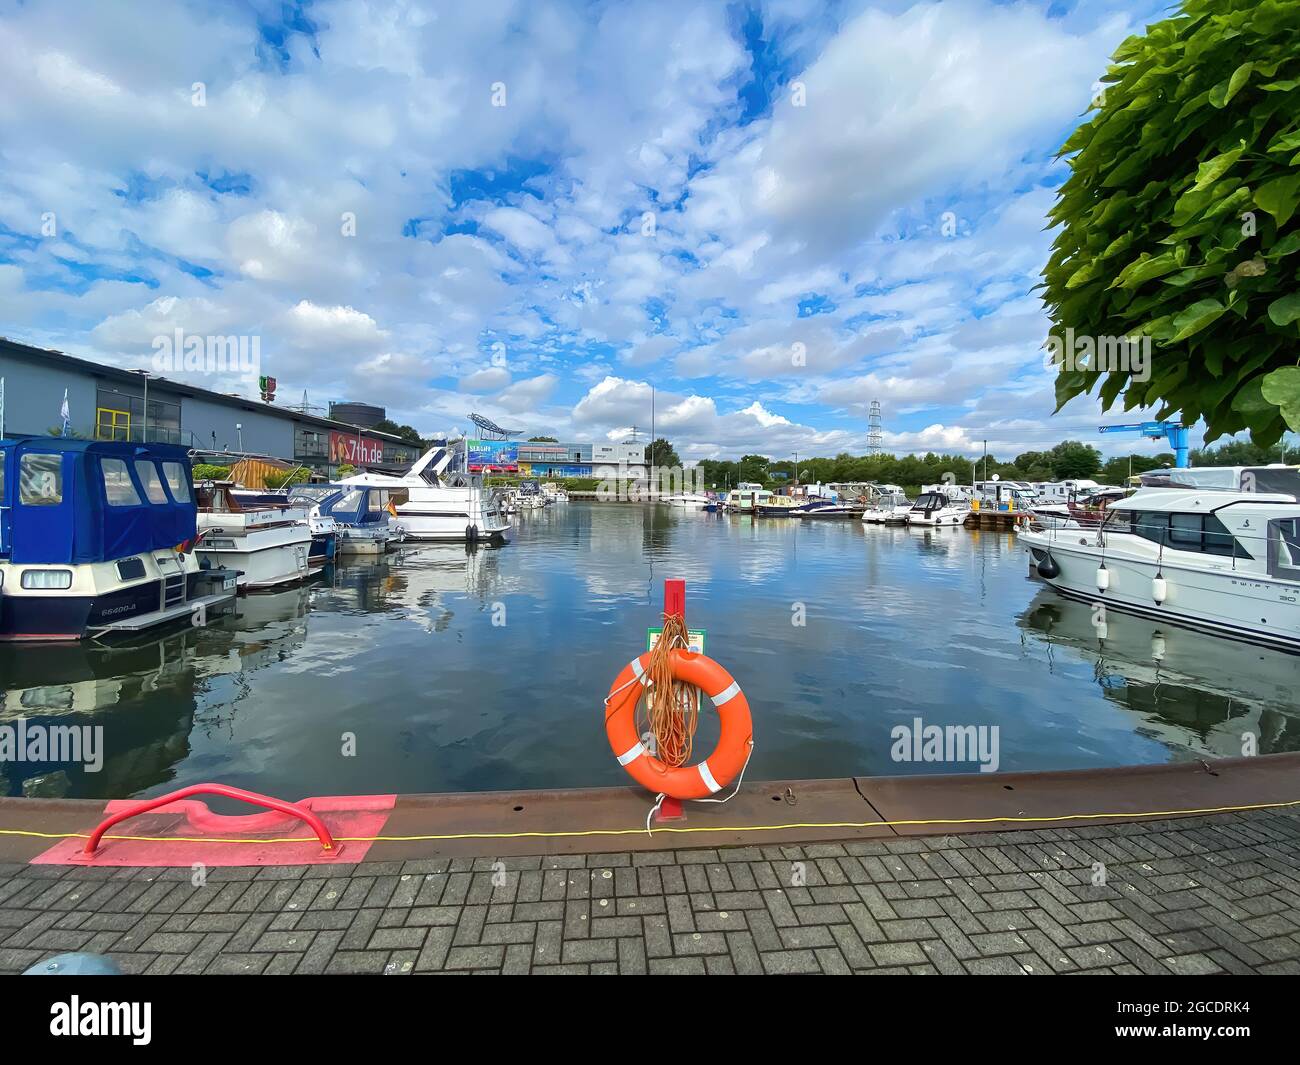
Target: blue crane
1174, 432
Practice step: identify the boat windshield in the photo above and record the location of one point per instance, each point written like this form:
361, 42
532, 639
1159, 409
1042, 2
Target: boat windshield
312, 495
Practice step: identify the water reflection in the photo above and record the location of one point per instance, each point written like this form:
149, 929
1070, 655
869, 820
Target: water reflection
464, 668
1190, 690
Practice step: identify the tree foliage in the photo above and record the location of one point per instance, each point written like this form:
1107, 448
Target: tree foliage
661, 453
1179, 220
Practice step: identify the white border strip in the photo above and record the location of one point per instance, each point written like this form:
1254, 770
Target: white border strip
632, 753
707, 777
726, 695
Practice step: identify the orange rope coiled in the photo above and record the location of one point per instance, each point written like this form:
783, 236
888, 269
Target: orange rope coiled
672, 720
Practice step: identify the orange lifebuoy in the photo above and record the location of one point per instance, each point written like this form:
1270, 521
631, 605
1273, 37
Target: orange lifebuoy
680, 782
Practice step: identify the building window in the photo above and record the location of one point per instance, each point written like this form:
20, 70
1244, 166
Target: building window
120, 416
112, 424
309, 444
40, 480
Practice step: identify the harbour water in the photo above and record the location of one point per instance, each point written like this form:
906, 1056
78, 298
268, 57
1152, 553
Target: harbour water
447, 668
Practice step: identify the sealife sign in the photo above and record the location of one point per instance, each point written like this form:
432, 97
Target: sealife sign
355, 450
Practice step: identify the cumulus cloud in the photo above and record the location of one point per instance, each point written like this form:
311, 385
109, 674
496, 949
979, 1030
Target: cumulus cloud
770, 241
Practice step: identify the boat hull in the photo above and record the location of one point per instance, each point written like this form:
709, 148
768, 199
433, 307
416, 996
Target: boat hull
97, 602
266, 557
1234, 603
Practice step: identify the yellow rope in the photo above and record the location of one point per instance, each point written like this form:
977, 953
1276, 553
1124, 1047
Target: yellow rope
1127, 815
672, 706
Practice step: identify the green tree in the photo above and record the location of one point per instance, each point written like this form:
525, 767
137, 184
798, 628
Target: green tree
1119, 469
1072, 459
753, 468
661, 453
542, 440
1179, 220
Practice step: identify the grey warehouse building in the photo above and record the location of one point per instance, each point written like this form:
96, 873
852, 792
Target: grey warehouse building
108, 403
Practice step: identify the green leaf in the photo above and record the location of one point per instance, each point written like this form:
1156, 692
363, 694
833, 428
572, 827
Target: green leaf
1195, 318
1239, 78
1145, 268
1282, 389
1279, 197
1286, 310
1212, 169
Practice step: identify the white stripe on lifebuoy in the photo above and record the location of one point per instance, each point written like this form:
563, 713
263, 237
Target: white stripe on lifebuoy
640, 673
707, 777
726, 695
631, 754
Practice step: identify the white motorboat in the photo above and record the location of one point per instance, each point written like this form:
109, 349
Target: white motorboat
688, 500
889, 508
1216, 549
270, 544
935, 509
442, 503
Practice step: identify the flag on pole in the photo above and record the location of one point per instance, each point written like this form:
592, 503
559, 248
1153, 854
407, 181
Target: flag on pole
63, 413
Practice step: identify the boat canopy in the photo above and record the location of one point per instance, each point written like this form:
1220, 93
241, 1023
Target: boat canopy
350, 503
78, 501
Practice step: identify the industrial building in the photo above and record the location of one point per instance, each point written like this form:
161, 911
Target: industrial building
108, 403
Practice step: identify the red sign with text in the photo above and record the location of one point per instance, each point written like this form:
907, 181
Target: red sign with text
354, 450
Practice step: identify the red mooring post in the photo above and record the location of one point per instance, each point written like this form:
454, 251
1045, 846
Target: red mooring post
674, 603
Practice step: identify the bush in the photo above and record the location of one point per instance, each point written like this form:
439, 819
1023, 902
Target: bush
276, 481
205, 471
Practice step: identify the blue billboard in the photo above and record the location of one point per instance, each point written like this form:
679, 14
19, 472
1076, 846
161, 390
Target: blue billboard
493, 456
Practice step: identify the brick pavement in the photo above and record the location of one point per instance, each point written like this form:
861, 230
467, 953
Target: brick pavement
1196, 895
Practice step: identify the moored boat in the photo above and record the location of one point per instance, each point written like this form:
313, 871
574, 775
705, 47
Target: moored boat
98, 538
443, 503
1216, 549
270, 543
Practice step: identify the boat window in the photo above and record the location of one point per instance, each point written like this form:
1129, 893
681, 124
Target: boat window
1152, 526
178, 480
1284, 548
148, 474
1218, 541
40, 480
350, 502
376, 503
1185, 531
119, 489
130, 569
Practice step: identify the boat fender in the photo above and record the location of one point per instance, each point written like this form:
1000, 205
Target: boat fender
1103, 578
1048, 568
1159, 589
698, 781
471, 533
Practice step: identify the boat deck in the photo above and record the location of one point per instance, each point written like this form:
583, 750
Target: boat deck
1192, 895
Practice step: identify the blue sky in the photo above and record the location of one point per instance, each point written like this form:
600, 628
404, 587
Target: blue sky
770, 213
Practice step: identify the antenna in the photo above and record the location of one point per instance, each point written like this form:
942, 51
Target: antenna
875, 439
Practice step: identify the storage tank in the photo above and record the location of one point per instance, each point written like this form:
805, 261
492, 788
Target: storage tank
366, 415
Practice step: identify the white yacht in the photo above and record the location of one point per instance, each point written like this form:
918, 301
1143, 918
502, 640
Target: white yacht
889, 508
443, 504
689, 500
936, 508
270, 544
1212, 548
